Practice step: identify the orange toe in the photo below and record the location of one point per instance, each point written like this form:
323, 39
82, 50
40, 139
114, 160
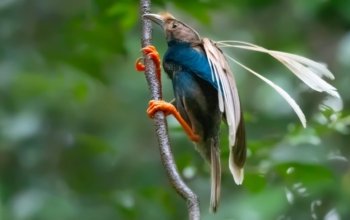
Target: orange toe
153, 54
139, 66
159, 105
166, 107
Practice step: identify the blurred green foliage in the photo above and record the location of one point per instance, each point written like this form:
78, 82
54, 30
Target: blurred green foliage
75, 142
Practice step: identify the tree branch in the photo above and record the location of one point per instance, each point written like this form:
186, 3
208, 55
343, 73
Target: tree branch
160, 123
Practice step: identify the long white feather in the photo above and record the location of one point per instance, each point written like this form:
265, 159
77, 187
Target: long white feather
283, 93
309, 71
320, 68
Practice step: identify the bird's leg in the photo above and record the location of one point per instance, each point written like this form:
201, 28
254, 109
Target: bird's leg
168, 108
152, 52
160, 105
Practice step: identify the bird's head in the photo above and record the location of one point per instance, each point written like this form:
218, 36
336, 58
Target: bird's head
174, 29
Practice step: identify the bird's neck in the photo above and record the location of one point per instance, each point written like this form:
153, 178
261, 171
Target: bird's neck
178, 43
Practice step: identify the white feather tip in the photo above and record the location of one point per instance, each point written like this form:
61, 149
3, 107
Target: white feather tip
237, 172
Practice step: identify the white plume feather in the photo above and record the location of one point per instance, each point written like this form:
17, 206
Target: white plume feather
283, 93
309, 71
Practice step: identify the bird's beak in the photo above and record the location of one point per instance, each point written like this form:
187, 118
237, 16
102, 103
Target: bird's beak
156, 18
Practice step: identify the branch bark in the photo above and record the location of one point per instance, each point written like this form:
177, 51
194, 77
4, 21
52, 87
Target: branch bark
160, 123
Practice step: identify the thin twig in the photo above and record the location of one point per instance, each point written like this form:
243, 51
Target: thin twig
160, 123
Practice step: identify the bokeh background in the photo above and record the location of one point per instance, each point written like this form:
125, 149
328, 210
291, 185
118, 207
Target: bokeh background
75, 142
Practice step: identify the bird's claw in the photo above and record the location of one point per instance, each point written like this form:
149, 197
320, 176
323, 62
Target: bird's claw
167, 108
139, 66
153, 54
159, 105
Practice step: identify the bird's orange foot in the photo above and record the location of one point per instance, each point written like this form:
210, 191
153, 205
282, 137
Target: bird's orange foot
160, 105
152, 52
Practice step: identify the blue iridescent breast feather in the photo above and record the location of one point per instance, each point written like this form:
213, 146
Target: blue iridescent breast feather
189, 59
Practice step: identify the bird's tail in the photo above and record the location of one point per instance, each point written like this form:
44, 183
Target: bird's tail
215, 174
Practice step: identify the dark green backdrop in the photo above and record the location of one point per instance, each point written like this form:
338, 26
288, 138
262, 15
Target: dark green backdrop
75, 142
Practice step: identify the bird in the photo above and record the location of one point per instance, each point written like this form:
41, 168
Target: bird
206, 93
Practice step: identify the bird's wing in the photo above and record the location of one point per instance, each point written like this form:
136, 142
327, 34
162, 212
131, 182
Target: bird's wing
228, 100
227, 89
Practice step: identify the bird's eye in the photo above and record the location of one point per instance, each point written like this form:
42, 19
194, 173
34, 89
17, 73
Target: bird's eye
174, 25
